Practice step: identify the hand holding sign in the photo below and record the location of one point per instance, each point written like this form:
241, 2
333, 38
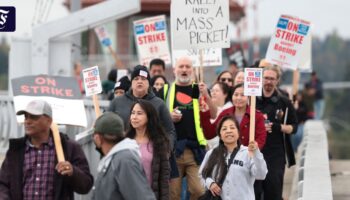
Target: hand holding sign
252, 87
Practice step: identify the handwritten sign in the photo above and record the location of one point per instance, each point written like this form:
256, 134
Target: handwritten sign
92, 81
252, 81
151, 39
287, 43
211, 57
62, 93
200, 24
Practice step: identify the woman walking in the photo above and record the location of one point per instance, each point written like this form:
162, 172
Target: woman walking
154, 146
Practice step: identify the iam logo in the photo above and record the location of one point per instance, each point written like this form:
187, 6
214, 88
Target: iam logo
7, 19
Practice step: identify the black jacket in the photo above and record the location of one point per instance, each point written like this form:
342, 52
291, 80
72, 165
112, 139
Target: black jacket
11, 173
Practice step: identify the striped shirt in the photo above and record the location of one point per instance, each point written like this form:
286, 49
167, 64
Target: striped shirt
38, 171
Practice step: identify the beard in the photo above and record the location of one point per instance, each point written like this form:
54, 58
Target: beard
99, 150
184, 79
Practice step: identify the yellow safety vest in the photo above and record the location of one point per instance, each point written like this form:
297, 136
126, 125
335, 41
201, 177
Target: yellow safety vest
199, 132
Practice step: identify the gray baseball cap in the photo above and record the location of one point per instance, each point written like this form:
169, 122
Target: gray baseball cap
37, 107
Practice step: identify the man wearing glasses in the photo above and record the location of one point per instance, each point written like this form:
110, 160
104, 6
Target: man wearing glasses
30, 169
281, 121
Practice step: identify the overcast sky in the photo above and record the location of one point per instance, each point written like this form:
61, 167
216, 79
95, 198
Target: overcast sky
325, 15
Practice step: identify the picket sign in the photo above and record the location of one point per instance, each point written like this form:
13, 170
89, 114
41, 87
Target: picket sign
252, 88
200, 25
103, 37
151, 39
92, 83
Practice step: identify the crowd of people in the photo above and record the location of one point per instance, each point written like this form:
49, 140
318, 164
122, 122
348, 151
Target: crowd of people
168, 140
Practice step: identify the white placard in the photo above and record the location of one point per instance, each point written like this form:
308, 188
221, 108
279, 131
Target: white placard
103, 35
121, 73
64, 111
199, 24
211, 57
252, 81
92, 81
151, 39
288, 42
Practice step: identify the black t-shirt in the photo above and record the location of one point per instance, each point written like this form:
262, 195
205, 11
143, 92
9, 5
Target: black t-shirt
185, 129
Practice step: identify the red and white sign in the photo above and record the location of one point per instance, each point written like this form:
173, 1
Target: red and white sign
62, 93
92, 81
252, 81
151, 39
288, 42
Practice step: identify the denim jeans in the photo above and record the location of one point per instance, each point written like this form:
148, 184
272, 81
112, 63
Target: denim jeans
319, 108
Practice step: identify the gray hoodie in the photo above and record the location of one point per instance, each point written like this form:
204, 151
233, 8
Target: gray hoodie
121, 175
122, 106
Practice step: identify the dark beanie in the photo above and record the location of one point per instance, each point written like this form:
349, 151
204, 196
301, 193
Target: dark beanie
123, 83
140, 70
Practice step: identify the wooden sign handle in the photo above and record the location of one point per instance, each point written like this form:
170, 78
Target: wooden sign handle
201, 73
57, 141
96, 105
296, 77
252, 121
118, 62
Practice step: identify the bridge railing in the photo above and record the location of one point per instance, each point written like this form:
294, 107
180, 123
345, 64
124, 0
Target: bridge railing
312, 178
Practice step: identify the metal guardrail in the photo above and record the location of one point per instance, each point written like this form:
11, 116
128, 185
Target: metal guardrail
312, 178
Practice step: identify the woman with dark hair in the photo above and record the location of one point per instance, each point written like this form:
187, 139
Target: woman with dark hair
225, 77
234, 165
158, 82
154, 146
241, 111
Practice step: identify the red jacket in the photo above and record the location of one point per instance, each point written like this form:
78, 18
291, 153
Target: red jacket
209, 129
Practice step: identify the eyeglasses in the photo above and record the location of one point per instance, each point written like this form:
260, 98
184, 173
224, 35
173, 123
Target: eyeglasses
269, 79
226, 79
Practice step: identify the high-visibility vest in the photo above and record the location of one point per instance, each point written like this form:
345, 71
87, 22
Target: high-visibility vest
165, 91
199, 132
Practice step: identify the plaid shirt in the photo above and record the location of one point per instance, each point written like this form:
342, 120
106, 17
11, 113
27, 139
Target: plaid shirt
38, 171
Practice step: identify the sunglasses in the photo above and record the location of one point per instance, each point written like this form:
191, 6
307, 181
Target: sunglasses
226, 79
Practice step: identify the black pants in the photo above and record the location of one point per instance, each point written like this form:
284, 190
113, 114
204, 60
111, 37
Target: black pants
272, 187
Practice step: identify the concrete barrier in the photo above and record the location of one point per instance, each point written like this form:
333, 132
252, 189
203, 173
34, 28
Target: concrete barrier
312, 179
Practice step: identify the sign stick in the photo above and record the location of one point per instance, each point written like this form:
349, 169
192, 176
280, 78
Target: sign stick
252, 121
197, 75
96, 105
57, 140
118, 62
252, 118
201, 74
296, 77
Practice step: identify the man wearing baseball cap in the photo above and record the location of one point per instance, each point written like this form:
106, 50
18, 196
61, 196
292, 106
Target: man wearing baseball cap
140, 89
30, 169
120, 172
